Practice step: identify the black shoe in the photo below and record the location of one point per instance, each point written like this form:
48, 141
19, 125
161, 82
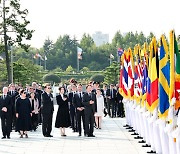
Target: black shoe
49, 136
79, 134
86, 135
151, 151
8, 137
142, 141
3, 137
63, 135
91, 135
146, 145
26, 136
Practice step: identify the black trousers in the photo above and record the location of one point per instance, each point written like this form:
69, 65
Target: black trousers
109, 105
6, 124
73, 118
80, 117
120, 112
89, 123
114, 108
34, 120
47, 124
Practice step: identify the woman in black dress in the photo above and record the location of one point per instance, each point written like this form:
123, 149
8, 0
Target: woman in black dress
23, 114
63, 117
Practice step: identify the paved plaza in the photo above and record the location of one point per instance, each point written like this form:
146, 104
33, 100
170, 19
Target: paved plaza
113, 138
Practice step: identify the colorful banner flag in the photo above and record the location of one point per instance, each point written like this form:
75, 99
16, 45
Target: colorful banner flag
120, 52
124, 75
152, 102
79, 53
137, 75
164, 79
174, 71
144, 74
130, 75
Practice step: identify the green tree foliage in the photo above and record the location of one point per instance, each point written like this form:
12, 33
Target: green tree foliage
97, 78
112, 73
69, 69
63, 52
85, 69
51, 78
25, 71
14, 21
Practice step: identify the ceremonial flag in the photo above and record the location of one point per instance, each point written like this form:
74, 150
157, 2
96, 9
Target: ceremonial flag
174, 71
37, 55
130, 74
45, 58
153, 89
137, 75
79, 53
144, 74
111, 56
164, 79
124, 75
120, 52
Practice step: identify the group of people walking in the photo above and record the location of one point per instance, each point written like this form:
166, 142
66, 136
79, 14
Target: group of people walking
24, 109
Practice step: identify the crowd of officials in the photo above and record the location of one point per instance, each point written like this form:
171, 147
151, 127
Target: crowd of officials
24, 109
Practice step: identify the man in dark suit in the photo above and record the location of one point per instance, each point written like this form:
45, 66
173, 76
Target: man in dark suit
6, 113
120, 106
38, 94
13, 93
47, 111
72, 109
90, 104
77, 102
111, 101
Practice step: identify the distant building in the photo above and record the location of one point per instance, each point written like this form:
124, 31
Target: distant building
100, 38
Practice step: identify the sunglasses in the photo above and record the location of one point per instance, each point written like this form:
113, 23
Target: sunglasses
48, 88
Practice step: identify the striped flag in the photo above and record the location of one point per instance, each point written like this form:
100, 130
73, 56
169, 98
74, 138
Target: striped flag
124, 75
174, 71
144, 75
137, 75
130, 74
153, 91
164, 79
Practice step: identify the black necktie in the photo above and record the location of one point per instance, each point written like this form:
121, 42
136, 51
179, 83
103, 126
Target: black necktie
80, 95
112, 93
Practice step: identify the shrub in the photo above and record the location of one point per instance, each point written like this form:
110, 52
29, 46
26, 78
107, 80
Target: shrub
51, 78
97, 78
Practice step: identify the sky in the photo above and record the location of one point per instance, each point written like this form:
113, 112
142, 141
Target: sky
52, 18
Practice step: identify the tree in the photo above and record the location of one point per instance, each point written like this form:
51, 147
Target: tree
14, 21
51, 78
112, 73
97, 78
25, 71
85, 69
69, 69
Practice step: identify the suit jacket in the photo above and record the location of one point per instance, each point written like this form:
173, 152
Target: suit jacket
89, 108
77, 101
47, 103
6, 102
108, 93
